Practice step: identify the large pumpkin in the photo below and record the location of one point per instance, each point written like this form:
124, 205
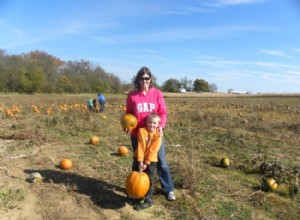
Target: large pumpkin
137, 184
129, 121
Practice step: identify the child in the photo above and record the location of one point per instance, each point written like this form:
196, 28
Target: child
90, 104
145, 156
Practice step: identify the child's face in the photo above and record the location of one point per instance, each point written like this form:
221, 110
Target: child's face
152, 124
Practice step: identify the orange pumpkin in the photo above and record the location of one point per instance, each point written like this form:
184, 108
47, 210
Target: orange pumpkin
129, 121
94, 140
66, 164
123, 151
137, 184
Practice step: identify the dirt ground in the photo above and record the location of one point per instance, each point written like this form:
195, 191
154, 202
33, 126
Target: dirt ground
61, 195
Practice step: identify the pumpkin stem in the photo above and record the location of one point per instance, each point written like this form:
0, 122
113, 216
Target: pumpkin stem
140, 170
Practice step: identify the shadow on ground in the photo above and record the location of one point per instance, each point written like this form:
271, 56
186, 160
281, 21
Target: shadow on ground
101, 193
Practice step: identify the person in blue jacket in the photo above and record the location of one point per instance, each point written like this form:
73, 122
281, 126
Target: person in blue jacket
102, 100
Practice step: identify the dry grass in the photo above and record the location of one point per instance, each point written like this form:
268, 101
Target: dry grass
202, 129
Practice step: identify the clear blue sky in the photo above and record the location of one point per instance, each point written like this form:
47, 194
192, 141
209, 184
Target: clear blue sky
245, 45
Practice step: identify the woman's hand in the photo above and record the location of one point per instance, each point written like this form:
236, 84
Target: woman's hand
127, 131
160, 131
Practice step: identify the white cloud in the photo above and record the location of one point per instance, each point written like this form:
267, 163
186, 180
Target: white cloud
9, 28
189, 10
222, 3
290, 72
277, 53
297, 50
243, 70
178, 34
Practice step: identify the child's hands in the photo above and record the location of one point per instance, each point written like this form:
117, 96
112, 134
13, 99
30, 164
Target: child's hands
142, 166
145, 166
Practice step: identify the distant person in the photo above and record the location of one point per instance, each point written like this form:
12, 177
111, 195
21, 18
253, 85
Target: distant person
102, 101
145, 156
90, 104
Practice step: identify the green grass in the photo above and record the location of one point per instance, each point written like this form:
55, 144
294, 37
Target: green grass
10, 197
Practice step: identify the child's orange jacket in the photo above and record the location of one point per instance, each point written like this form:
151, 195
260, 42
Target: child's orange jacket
148, 146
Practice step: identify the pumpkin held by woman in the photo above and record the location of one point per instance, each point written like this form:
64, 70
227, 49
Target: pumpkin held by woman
129, 122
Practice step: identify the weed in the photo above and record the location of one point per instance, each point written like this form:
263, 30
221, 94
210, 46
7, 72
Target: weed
10, 197
226, 210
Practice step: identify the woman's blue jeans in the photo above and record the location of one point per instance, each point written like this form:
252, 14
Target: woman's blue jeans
163, 169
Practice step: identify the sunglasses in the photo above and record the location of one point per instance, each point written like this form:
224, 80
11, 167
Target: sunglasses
145, 78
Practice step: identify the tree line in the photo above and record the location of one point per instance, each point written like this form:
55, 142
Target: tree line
39, 72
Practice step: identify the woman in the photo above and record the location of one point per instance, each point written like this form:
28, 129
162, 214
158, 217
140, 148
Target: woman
144, 100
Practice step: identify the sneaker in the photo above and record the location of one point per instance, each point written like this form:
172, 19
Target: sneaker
142, 206
171, 196
131, 201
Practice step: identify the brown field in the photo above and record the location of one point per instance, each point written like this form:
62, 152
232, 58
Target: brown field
38, 131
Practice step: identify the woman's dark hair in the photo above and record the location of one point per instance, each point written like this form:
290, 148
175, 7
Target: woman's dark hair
141, 72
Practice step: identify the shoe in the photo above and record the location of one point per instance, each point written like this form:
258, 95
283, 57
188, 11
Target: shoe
171, 196
142, 206
131, 201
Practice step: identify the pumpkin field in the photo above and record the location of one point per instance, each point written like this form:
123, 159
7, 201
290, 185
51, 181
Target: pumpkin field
231, 157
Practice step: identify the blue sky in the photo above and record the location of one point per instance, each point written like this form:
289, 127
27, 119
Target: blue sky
245, 45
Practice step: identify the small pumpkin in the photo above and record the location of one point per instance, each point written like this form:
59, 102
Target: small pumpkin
225, 162
94, 140
35, 177
128, 121
123, 151
66, 164
269, 184
137, 184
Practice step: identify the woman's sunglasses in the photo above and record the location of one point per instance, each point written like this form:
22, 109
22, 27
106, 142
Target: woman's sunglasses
145, 78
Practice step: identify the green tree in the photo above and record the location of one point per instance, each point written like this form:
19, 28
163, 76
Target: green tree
12, 75
50, 66
200, 85
3, 70
32, 78
171, 85
65, 84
